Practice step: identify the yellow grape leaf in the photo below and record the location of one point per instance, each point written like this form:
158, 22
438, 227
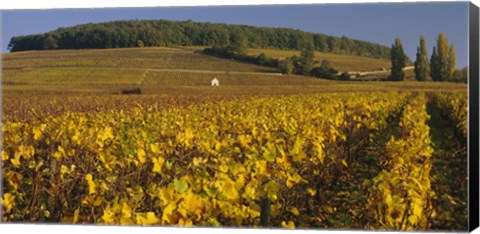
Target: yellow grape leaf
320, 153
37, 133
158, 164
289, 224
63, 170
8, 201
108, 216
197, 161
412, 219
103, 157
126, 217
42, 127
142, 157
293, 180
180, 211
223, 168
261, 166
4, 156
75, 215
148, 218
388, 200
272, 188
59, 154
167, 213
16, 160
192, 203
229, 191
91, 184
249, 192
76, 138
311, 191
417, 209
154, 148
327, 209
186, 223
189, 134
32, 164
167, 194
244, 140
400, 160
98, 201
14, 179
344, 163
294, 211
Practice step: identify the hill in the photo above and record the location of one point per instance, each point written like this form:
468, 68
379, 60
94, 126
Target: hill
137, 33
158, 70
135, 66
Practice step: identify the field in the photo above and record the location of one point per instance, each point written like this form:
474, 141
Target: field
262, 149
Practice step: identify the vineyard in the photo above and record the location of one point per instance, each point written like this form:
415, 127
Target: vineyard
362, 160
338, 61
153, 57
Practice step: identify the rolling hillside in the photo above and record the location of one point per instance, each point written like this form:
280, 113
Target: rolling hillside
154, 68
149, 67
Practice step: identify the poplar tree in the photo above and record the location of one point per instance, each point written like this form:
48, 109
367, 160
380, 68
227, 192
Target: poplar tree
434, 65
452, 61
421, 63
443, 61
442, 52
398, 59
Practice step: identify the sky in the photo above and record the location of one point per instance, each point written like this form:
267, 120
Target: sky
375, 22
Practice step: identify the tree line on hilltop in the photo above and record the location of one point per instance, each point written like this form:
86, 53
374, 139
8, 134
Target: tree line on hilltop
135, 33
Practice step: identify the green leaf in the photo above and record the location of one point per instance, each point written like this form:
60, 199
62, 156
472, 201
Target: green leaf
180, 186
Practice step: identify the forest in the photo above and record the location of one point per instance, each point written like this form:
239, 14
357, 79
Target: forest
140, 33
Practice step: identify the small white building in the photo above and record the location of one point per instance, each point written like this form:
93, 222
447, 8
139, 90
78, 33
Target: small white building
215, 82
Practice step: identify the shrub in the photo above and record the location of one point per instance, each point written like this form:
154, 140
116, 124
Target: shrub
344, 76
132, 91
325, 71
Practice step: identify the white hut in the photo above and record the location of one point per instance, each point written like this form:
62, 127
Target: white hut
215, 82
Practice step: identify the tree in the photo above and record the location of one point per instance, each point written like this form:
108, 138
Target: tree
452, 61
333, 44
306, 61
320, 42
421, 63
325, 70
398, 58
50, 43
238, 43
262, 59
120, 34
434, 65
442, 52
286, 66
443, 61
461, 75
